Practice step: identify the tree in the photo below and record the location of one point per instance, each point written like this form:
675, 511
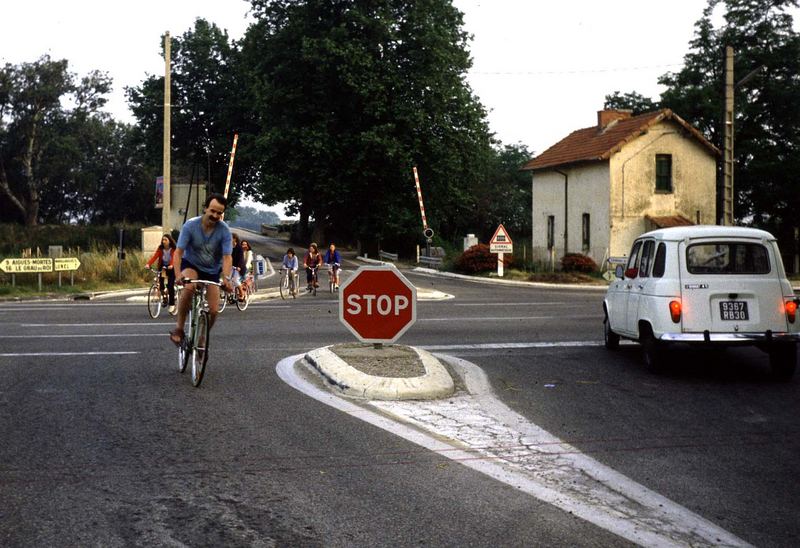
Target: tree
767, 117
348, 97
207, 110
507, 196
31, 96
635, 102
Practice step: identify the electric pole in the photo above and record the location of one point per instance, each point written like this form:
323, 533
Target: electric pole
165, 211
727, 159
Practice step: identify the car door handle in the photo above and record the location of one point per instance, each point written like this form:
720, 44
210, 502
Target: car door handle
628, 286
640, 286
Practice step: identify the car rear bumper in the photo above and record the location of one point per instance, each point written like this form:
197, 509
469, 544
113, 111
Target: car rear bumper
731, 338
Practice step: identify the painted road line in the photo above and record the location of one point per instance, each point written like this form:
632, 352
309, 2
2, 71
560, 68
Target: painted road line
23, 354
159, 324
120, 335
492, 303
477, 426
500, 318
510, 345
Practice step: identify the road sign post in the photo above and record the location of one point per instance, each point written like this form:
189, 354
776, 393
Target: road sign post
377, 304
501, 243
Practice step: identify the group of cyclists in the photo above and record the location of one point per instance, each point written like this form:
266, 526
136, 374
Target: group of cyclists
312, 262
207, 250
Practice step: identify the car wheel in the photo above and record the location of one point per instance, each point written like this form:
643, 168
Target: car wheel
611, 339
783, 361
652, 352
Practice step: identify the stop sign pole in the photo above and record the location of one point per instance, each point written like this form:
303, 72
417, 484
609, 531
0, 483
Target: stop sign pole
377, 304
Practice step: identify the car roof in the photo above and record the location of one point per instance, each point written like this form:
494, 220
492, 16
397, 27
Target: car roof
678, 233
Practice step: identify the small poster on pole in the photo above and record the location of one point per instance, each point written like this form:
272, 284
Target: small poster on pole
159, 192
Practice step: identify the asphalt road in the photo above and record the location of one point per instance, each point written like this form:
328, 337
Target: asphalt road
106, 444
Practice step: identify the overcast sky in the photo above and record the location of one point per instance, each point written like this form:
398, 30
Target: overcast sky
541, 69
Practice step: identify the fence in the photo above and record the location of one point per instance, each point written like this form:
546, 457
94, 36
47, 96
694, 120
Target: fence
386, 256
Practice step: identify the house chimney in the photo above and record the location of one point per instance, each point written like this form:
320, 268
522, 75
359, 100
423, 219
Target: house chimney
606, 117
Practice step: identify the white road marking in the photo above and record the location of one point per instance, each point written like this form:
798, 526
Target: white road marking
160, 324
528, 458
78, 336
491, 303
22, 354
511, 345
499, 318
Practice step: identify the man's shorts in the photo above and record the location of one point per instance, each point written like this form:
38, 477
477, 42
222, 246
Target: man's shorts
201, 275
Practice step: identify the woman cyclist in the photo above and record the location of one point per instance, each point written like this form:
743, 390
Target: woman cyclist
247, 260
290, 263
163, 254
312, 260
334, 260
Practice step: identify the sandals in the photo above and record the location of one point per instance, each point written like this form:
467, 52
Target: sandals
176, 336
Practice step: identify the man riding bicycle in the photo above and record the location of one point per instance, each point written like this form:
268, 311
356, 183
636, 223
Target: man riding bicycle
203, 250
334, 260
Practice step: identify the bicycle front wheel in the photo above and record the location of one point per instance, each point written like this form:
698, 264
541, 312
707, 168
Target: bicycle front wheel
200, 348
183, 349
284, 287
223, 299
154, 301
242, 304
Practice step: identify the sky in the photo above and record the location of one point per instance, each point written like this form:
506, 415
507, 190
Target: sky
541, 68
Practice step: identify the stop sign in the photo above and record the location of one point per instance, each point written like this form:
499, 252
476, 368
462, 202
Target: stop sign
377, 304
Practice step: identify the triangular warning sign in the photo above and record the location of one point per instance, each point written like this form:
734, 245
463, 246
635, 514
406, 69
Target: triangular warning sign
501, 236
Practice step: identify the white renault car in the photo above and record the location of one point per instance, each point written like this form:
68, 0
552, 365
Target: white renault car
706, 286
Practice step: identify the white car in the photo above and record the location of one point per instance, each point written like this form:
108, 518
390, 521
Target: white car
705, 286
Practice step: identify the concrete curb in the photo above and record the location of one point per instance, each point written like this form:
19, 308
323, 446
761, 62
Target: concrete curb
435, 383
434, 272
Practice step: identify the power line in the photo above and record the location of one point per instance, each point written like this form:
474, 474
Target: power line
577, 71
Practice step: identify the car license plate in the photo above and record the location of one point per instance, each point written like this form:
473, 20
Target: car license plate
733, 310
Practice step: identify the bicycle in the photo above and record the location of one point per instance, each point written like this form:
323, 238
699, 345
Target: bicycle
196, 342
333, 277
314, 281
155, 298
288, 284
247, 291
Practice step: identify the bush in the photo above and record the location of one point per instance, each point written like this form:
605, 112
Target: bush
478, 259
575, 262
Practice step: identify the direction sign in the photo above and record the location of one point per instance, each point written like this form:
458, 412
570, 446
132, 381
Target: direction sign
25, 266
377, 304
66, 263
501, 241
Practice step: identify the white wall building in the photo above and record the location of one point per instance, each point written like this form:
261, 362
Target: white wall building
600, 187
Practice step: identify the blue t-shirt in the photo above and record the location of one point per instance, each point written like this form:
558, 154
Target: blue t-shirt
203, 250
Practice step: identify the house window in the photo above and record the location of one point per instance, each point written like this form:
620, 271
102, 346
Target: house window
586, 233
551, 232
663, 172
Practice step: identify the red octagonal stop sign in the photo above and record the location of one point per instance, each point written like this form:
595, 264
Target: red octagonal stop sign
377, 304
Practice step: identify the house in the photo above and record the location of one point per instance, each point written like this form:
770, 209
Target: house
600, 187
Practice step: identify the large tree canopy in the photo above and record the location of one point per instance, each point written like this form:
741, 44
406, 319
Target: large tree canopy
61, 159
348, 97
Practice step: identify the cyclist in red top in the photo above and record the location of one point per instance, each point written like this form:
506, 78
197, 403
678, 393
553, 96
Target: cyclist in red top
163, 255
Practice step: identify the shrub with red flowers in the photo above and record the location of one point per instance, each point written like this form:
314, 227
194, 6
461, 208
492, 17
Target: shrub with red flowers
478, 259
575, 262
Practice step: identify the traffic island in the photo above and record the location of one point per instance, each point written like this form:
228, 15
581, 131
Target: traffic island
390, 372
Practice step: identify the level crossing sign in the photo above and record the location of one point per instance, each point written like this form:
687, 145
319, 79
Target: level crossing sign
377, 304
501, 241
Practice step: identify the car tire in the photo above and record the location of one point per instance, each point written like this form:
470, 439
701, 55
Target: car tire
610, 338
652, 352
783, 361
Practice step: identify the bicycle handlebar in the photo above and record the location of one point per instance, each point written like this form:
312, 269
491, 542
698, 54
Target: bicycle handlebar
188, 281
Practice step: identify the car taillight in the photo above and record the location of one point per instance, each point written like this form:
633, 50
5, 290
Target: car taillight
791, 310
675, 311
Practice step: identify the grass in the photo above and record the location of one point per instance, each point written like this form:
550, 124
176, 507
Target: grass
99, 271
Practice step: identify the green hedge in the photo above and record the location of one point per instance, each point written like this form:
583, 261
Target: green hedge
14, 237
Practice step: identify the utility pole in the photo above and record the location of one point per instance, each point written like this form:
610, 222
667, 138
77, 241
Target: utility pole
165, 211
727, 159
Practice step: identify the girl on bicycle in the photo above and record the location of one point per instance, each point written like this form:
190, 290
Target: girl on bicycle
163, 255
312, 261
334, 261
247, 252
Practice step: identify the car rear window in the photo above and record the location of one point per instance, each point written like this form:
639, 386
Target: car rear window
727, 258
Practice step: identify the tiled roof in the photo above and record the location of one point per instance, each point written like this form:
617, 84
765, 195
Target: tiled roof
592, 145
669, 221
